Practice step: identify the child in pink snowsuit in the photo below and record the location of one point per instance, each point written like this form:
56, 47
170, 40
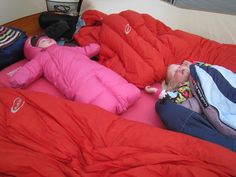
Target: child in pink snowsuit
76, 76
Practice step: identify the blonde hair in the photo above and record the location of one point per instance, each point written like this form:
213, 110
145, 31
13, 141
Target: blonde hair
170, 82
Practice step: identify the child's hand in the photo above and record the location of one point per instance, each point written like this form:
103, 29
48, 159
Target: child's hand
162, 94
150, 89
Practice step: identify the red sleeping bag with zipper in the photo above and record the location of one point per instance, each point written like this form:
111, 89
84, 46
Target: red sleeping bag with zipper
140, 47
41, 135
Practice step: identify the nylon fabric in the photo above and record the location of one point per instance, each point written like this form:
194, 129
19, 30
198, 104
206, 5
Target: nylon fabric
50, 136
142, 55
217, 96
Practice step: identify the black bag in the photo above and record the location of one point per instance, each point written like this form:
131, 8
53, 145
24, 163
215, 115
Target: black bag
58, 25
11, 45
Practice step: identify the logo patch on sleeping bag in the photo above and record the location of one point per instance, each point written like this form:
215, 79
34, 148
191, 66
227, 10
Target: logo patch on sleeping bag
17, 104
127, 29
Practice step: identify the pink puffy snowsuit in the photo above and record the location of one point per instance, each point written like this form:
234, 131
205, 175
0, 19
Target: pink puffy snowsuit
76, 76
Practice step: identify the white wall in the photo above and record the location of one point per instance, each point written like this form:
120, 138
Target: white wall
219, 27
13, 9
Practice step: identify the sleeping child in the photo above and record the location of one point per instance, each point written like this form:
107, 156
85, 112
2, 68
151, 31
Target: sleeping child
205, 89
72, 72
200, 101
177, 81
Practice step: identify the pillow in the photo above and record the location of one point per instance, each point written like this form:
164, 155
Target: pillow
11, 45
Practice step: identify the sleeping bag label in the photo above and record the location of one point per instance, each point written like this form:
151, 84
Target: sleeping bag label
198, 89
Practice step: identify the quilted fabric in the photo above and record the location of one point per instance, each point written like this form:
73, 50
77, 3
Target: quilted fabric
140, 47
129, 47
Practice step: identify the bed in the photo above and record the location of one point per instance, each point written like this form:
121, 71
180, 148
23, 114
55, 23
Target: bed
43, 134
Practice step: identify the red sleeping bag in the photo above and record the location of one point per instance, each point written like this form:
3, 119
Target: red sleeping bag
139, 47
41, 135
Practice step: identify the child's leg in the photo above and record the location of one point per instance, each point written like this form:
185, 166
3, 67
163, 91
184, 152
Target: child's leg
181, 119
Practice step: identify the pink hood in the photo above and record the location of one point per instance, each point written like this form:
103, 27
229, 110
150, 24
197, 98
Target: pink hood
29, 50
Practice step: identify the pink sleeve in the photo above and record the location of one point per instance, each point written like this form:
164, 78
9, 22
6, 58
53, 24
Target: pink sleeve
27, 74
89, 50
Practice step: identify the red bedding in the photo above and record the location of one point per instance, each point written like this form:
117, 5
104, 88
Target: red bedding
139, 47
42, 135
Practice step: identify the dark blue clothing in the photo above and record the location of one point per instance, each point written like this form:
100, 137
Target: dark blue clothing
181, 119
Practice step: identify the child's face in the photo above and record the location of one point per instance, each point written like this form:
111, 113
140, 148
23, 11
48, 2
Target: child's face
178, 73
46, 42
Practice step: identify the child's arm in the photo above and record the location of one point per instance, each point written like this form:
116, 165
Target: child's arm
27, 74
150, 89
90, 50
